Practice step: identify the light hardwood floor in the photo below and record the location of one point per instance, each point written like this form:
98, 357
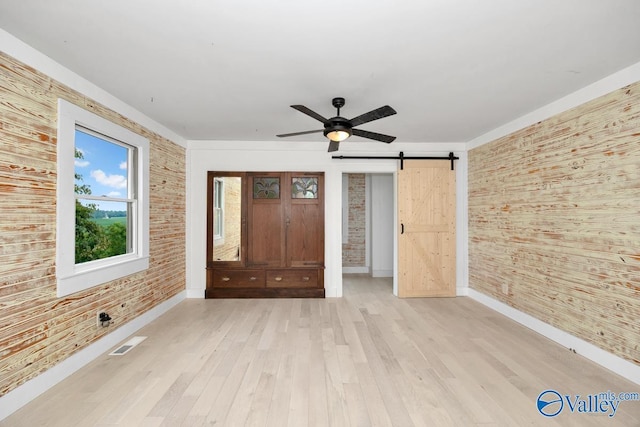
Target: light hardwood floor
368, 359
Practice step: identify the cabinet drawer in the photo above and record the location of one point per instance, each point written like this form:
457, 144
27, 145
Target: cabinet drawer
292, 278
238, 278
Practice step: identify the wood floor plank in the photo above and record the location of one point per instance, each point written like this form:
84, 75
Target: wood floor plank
241, 403
318, 404
279, 407
247, 338
367, 359
338, 415
299, 402
390, 395
376, 409
349, 331
357, 407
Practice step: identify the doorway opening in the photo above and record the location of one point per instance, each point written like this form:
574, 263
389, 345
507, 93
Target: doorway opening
368, 226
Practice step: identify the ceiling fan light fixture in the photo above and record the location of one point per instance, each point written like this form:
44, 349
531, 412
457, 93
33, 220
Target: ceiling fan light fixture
337, 133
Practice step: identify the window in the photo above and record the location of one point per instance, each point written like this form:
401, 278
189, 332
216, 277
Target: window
265, 187
103, 201
304, 187
218, 208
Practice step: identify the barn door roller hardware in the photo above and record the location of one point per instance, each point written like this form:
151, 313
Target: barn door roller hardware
402, 158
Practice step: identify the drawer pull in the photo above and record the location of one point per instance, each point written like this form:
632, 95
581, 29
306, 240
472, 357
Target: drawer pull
278, 279
305, 279
253, 278
226, 279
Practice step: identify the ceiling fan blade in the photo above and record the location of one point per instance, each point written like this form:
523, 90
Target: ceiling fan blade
376, 114
284, 135
309, 113
373, 135
333, 146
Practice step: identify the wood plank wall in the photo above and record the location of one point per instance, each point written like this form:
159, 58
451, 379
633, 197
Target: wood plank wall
37, 329
554, 221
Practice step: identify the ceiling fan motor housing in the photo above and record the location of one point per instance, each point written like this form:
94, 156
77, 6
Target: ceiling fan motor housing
337, 123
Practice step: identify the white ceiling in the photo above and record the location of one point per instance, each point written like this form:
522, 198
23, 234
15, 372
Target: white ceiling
229, 69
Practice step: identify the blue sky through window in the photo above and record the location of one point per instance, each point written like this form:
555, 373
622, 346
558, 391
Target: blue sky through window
103, 168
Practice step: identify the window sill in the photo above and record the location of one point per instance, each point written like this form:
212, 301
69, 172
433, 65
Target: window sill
97, 272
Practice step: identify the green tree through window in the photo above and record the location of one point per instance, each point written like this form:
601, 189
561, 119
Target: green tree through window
93, 240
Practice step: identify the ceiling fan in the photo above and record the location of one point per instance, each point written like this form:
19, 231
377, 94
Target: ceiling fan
338, 128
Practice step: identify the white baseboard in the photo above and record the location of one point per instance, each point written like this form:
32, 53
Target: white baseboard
356, 270
195, 293
17, 398
603, 358
382, 273
331, 292
462, 291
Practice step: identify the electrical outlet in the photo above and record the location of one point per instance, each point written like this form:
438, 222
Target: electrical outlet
102, 319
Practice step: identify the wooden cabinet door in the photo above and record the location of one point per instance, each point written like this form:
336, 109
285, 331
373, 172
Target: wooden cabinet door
426, 242
265, 226
304, 220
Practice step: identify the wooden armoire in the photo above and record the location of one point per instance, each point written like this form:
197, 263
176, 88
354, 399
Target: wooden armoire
265, 235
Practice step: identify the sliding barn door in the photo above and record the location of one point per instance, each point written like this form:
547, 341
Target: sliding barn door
427, 234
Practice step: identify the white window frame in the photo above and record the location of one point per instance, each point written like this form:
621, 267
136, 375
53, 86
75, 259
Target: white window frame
72, 277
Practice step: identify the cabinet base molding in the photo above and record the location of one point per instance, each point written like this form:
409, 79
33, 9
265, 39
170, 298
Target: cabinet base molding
264, 293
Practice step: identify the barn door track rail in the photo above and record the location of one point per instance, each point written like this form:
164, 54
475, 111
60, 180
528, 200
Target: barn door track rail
402, 158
